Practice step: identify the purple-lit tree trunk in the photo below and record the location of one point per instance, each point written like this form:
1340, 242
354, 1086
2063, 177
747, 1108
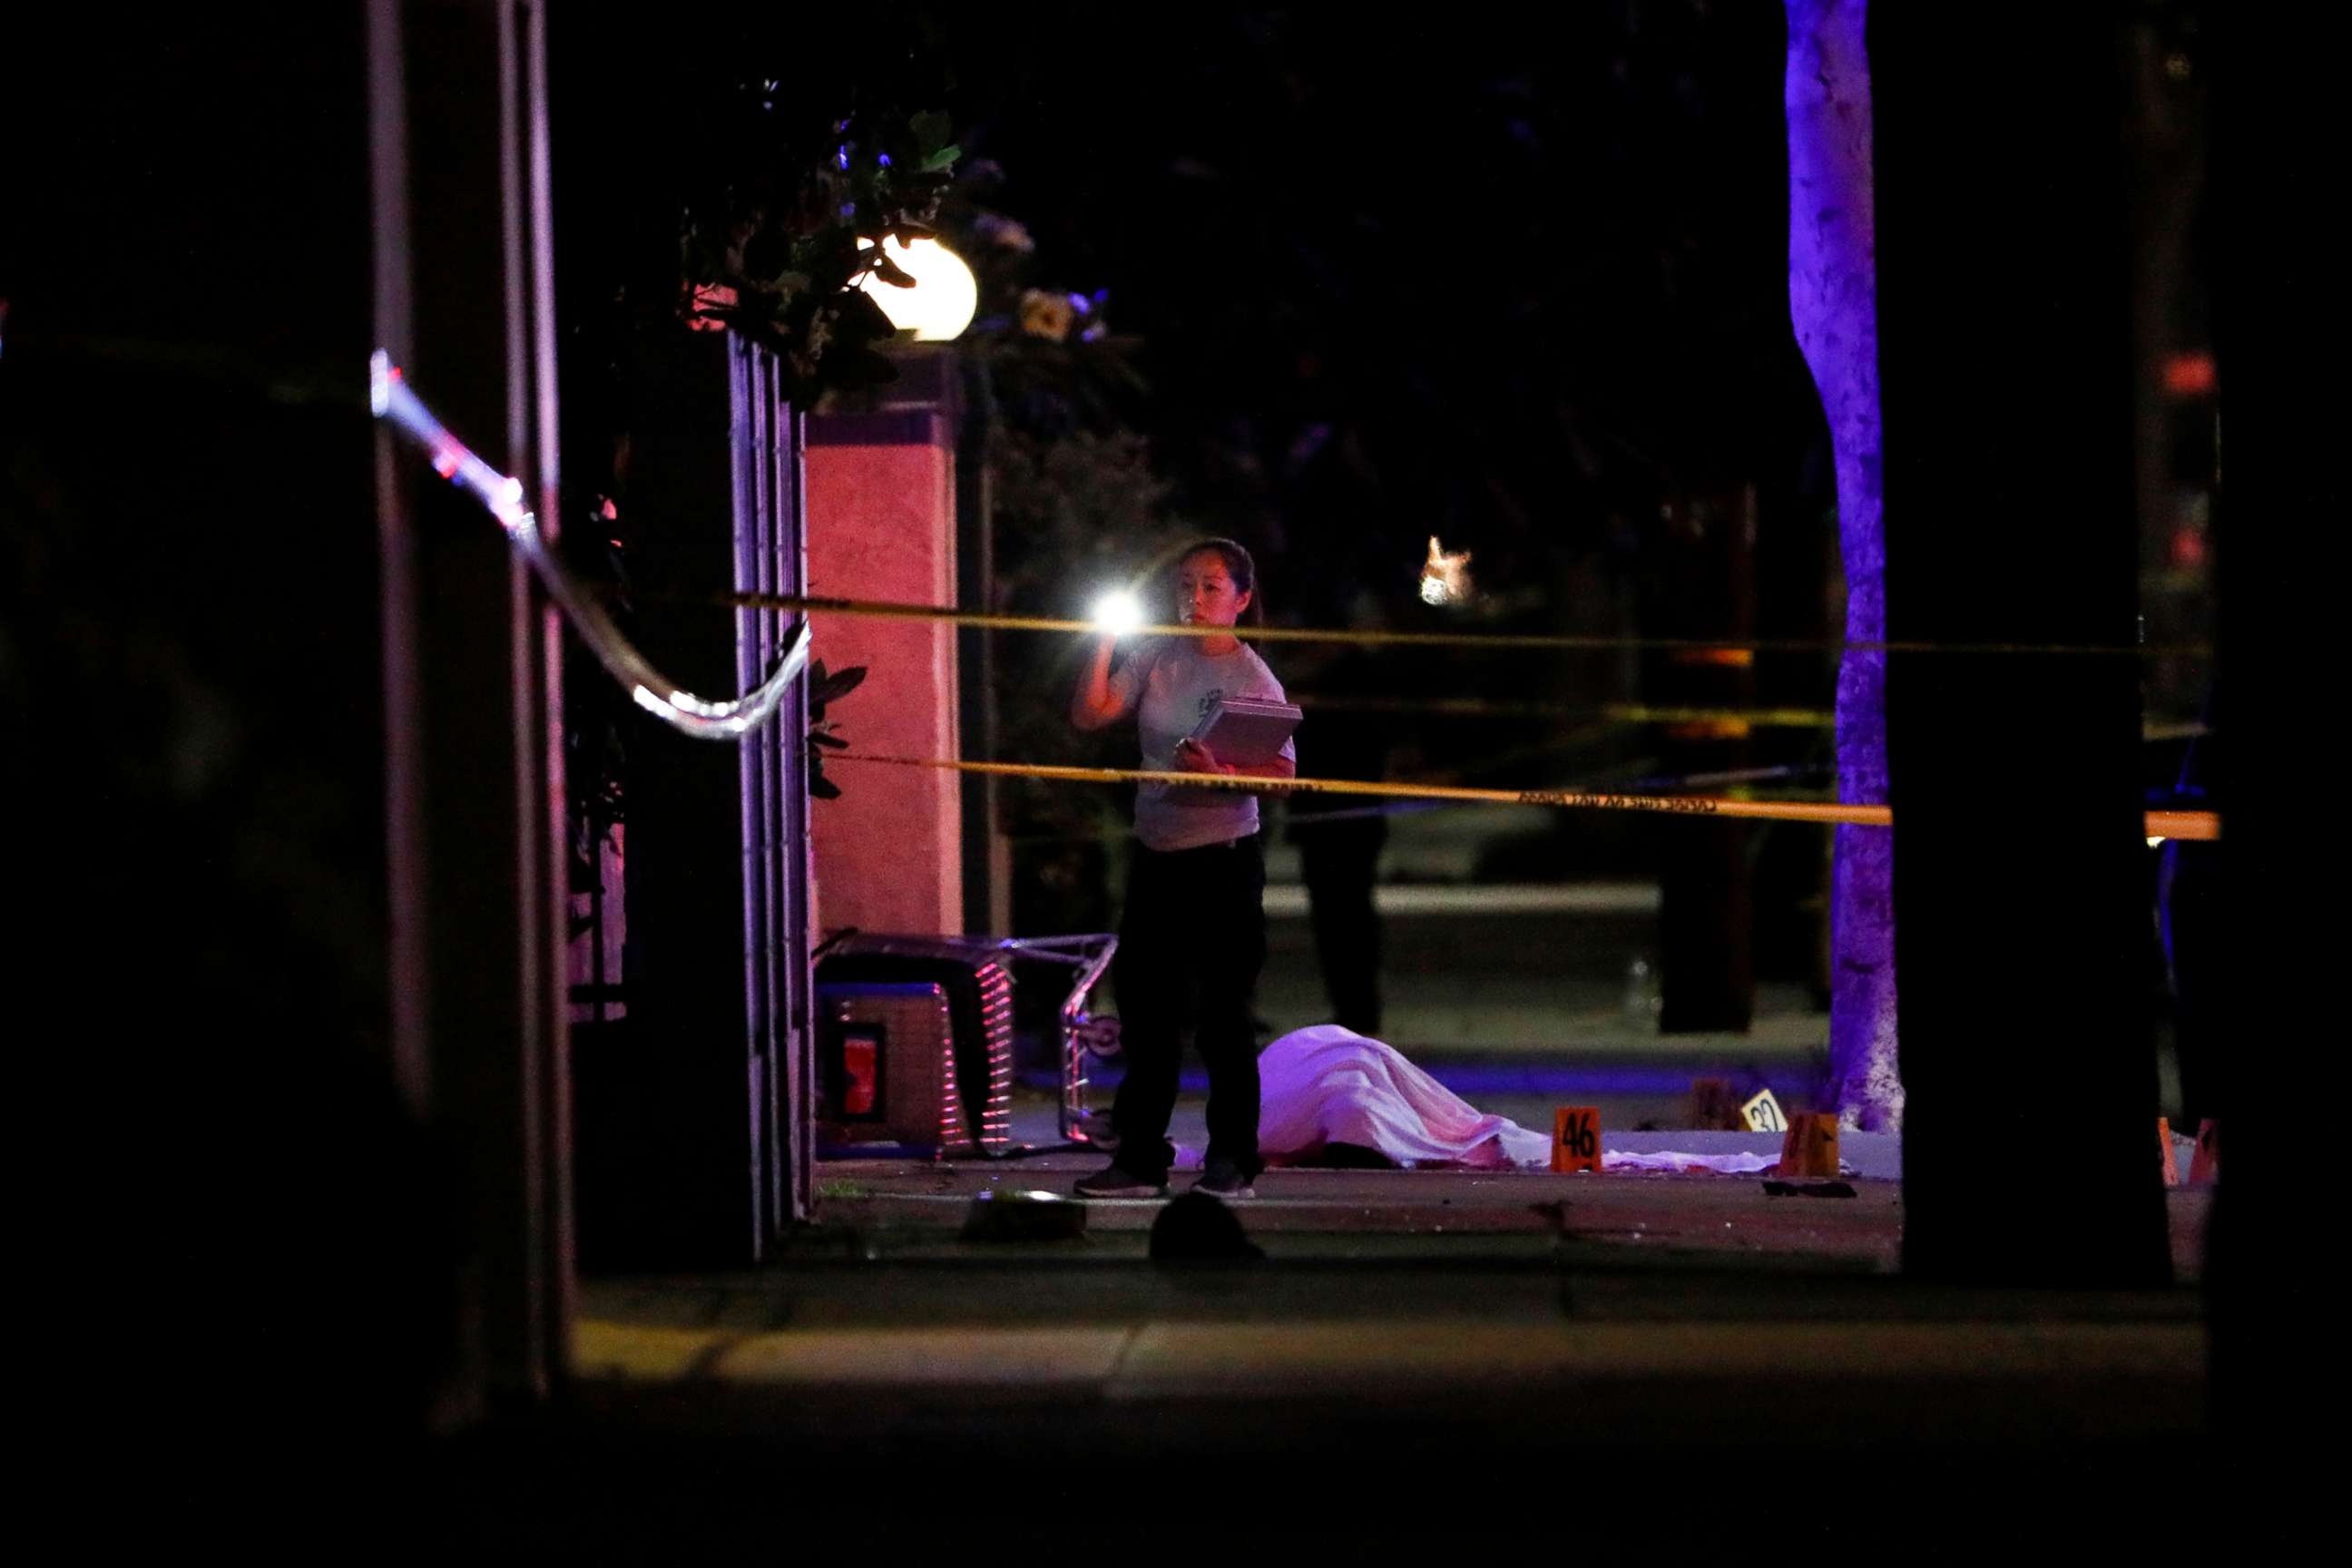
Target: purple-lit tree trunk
1833, 305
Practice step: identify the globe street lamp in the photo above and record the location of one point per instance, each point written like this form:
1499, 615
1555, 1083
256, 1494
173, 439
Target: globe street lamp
941, 304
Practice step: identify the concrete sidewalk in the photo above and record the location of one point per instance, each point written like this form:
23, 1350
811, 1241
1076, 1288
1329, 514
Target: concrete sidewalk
1629, 1361
1666, 1310
1622, 1361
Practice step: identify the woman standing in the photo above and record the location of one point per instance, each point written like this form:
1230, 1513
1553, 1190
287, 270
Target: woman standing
1194, 924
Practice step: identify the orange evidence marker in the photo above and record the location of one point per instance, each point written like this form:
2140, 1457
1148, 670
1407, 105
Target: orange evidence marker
2164, 1143
1576, 1137
1809, 1147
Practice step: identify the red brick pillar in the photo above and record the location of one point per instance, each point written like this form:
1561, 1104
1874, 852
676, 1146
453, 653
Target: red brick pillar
882, 525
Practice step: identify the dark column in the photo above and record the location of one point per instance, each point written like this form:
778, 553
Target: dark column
690, 1102
2021, 894
686, 1160
472, 672
695, 1101
2280, 318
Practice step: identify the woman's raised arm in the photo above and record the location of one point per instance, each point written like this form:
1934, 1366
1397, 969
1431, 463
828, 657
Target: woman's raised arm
1096, 704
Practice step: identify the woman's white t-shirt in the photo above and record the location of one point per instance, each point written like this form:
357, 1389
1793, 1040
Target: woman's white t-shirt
1172, 685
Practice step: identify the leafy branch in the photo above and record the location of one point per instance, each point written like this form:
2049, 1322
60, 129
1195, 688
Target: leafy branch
824, 688
788, 250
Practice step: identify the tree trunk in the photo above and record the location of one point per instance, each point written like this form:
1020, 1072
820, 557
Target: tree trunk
1833, 306
2280, 327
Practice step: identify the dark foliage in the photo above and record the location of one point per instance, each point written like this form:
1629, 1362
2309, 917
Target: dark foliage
824, 688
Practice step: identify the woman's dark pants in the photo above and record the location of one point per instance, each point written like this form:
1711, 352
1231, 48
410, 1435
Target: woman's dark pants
1191, 943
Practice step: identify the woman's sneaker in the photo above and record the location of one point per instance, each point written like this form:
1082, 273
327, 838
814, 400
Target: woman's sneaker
1116, 1182
1223, 1179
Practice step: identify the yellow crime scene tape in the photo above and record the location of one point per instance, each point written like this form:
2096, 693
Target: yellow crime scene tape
2183, 824
890, 609
2189, 825
1616, 712
391, 398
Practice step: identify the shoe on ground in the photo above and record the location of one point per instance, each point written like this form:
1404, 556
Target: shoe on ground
1116, 1181
1223, 1179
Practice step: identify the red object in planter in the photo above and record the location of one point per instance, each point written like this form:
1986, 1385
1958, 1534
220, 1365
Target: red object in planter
859, 1065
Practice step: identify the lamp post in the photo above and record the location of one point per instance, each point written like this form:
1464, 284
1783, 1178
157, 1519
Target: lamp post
884, 490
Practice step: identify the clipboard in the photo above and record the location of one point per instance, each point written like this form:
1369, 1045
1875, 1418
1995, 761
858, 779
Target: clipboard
1246, 731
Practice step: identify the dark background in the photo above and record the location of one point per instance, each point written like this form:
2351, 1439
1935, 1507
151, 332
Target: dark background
1519, 283
1510, 284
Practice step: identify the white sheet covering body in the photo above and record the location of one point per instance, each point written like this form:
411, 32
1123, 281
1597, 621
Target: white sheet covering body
1331, 1085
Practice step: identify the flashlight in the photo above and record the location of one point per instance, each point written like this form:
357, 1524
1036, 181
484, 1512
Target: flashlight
1118, 613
